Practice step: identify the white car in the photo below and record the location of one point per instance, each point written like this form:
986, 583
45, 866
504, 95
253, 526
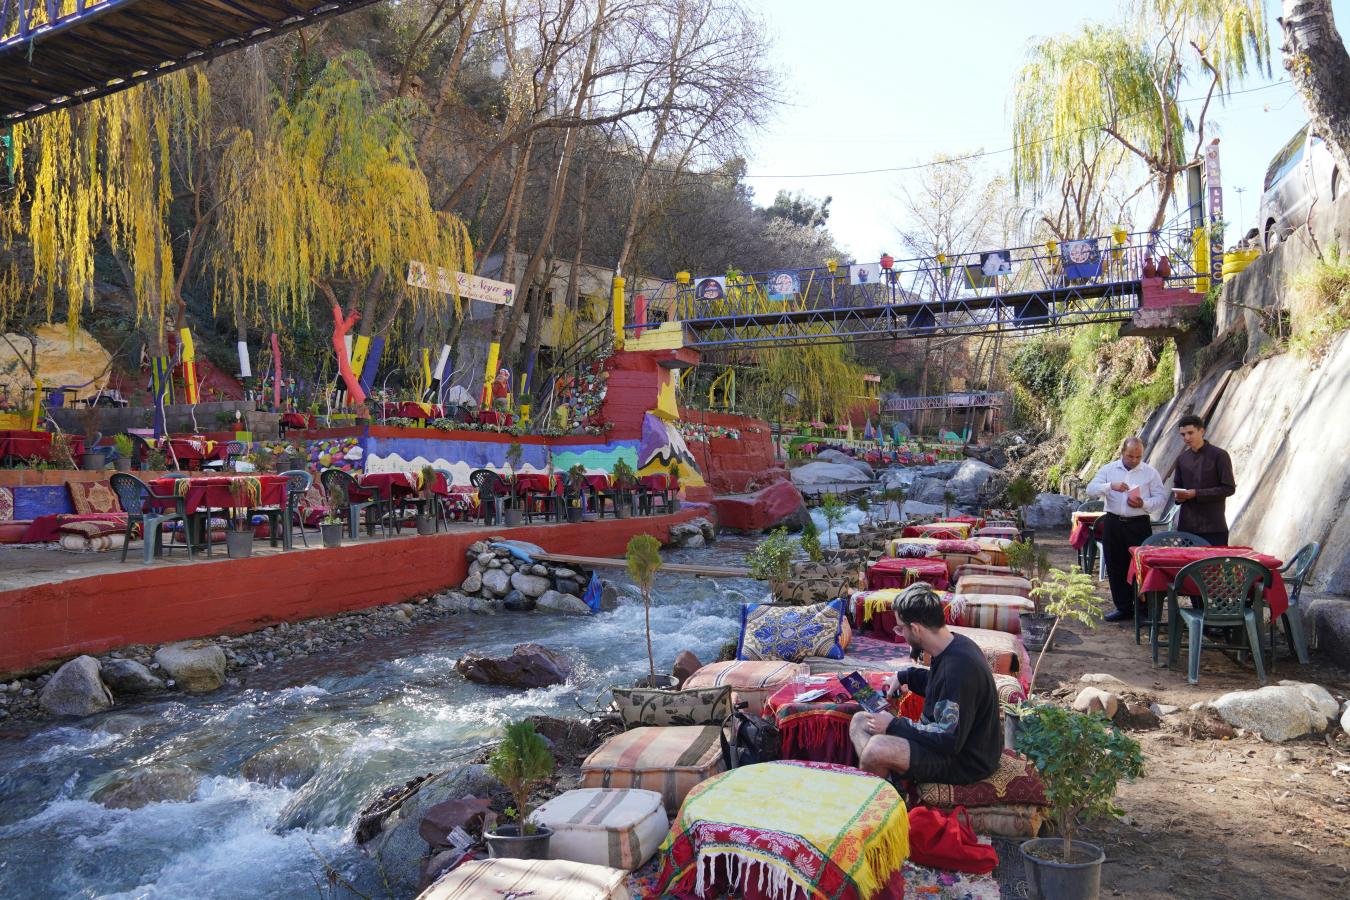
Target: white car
1303, 173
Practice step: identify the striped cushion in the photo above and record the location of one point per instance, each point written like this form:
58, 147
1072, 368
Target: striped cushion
616, 827
995, 548
751, 681
538, 879
1004, 651
668, 760
994, 584
998, 612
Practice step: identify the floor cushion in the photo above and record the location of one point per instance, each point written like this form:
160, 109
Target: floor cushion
538, 879
996, 548
752, 682
697, 706
667, 760
615, 827
790, 633
1011, 802
981, 569
90, 497
998, 612
1014, 585
13, 530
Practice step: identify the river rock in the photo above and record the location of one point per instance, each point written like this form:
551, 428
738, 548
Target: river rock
289, 763
496, 581
568, 586
539, 569
1136, 716
1345, 718
529, 585
815, 473
146, 785
528, 666
195, 666
562, 572
928, 491
515, 601
1280, 712
76, 689
838, 456
967, 482
1050, 511
473, 584
1091, 699
556, 601
126, 676
399, 848
609, 596
686, 534
686, 664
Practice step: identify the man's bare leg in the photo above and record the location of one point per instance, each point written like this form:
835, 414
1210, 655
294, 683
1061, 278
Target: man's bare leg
879, 754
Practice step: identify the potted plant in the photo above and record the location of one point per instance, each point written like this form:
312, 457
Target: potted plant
1081, 758
244, 494
833, 510
623, 498
91, 459
426, 521
948, 501
771, 560
576, 476
673, 485
864, 505
895, 496
810, 540
298, 459
1059, 595
521, 762
513, 514
126, 451
1021, 493
644, 561
331, 527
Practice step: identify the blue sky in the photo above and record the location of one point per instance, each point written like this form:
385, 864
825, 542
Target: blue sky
874, 84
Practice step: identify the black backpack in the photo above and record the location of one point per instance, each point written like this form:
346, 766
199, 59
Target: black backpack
753, 739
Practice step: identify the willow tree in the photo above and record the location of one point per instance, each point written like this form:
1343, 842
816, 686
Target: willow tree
1123, 82
330, 196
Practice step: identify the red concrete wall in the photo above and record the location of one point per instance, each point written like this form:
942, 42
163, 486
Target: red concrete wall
729, 465
159, 603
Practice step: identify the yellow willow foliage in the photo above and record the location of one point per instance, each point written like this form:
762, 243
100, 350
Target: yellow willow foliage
820, 375
332, 191
40, 16
101, 170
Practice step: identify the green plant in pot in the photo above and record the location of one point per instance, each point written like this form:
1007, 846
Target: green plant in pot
948, 501
833, 510
811, 540
1081, 759
330, 526
1059, 595
126, 452
674, 486
1021, 493
644, 561
771, 560
426, 519
624, 476
522, 761
513, 513
245, 494
576, 478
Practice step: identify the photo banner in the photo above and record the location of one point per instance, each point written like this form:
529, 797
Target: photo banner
783, 286
462, 284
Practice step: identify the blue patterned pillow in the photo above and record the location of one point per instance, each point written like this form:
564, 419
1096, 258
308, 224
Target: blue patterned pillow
791, 633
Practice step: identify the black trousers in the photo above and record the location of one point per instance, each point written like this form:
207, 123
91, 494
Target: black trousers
1119, 534
1215, 538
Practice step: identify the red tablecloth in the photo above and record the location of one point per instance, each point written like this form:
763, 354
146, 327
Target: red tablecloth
940, 530
817, 731
411, 409
402, 484
1154, 568
491, 417
187, 448
1085, 526
29, 444
976, 522
898, 573
297, 420
213, 491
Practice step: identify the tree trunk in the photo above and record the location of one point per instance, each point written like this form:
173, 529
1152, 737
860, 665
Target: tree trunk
1316, 60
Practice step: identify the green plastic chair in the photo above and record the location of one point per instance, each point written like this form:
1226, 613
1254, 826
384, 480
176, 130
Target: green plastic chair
1231, 594
1295, 573
1161, 539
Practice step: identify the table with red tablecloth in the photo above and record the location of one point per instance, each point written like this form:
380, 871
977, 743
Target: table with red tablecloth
1086, 526
817, 730
412, 409
393, 485
36, 444
193, 448
897, 573
492, 417
947, 530
1154, 569
216, 491
297, 420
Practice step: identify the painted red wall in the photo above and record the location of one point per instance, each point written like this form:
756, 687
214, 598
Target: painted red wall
729, 465
159, 603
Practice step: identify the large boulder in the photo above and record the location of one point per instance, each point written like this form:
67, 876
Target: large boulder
838, 456
1280, 712
558, 602
76, 689
1050, 511
148, 784
126, 676
528, 666
928, 491
530, 585
497, 581
818, 473
967, 482
195, 666
778, 504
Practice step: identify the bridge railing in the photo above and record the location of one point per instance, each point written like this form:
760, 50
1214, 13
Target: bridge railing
968, 281
20, 19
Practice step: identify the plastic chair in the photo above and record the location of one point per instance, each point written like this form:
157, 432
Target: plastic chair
298, 483
1161, 539
1092, 554
492, 493
649, 494
1295, 573
1231, 594
445, 506
135, 497
339, 486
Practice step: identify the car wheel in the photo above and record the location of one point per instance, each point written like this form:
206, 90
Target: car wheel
1272, 235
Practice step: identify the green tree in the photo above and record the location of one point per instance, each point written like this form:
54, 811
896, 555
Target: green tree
521, 761
833, 509
644, 561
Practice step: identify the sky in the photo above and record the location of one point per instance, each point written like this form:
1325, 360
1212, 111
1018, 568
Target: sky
881, 84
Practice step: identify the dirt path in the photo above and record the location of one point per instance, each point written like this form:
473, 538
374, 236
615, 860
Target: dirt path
1238, 818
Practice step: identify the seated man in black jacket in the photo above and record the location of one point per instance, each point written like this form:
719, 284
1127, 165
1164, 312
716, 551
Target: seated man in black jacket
958, 739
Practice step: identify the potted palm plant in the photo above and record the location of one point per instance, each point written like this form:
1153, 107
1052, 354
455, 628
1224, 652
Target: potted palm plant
577, 477
674, 486
426, 521
126, 451
644, 561
245, 494
771, 560
91, 459
521, 762
623, 478
330, 526
513, 514
1081, 758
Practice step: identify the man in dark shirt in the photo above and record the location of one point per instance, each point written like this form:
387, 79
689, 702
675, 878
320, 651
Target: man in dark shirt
957, 740
1205, 475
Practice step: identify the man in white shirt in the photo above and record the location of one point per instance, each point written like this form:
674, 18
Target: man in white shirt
1134, 493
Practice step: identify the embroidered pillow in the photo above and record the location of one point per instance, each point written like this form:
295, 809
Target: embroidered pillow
907, 550
791, 633
968, 547
93, 497
699, 706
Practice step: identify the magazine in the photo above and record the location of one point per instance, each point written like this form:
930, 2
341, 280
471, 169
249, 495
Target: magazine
866, 696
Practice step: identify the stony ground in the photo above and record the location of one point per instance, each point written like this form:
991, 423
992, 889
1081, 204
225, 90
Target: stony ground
1230, 817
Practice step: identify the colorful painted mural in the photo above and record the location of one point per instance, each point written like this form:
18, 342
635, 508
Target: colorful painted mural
403, 454
662, 445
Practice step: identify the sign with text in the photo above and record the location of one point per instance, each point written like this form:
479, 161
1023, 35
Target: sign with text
473, 287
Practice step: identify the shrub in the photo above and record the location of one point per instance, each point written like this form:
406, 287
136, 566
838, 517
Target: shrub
521, 761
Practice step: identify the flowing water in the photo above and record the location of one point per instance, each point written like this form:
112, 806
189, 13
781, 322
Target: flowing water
378, 714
